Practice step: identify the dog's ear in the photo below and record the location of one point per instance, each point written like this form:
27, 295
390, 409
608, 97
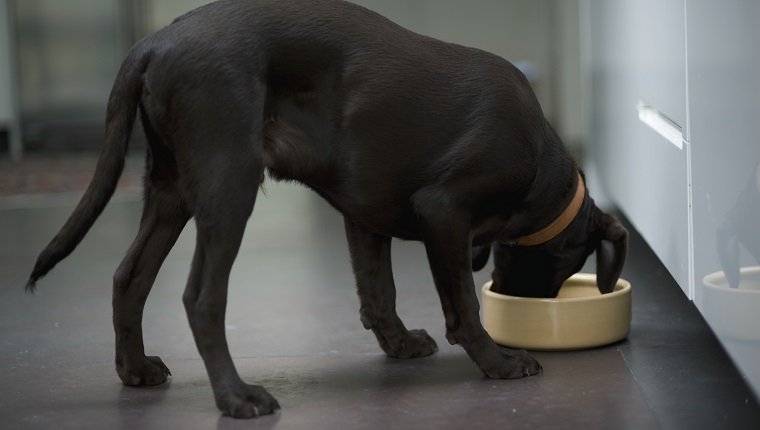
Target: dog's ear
610, 253
480, 255
728, 254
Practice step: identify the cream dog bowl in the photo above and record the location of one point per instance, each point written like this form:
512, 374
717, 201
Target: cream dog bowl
579, 317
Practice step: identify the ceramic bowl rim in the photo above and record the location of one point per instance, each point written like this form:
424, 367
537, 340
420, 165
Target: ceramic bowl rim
709, 281
622, 287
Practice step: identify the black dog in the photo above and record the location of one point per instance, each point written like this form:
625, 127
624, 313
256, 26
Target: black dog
405, 135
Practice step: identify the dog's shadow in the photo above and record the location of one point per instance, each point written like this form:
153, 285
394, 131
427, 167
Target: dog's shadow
304, 385
328, 379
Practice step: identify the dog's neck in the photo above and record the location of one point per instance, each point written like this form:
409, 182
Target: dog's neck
561, 222
549, 204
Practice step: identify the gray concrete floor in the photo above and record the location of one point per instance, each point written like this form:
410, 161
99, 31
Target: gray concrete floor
293, 327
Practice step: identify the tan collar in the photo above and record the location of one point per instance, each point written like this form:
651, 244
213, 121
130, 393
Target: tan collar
558, 225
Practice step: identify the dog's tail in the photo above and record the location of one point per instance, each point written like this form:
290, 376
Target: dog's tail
120, 118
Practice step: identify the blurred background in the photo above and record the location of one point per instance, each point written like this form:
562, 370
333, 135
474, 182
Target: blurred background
660, 101
59, 58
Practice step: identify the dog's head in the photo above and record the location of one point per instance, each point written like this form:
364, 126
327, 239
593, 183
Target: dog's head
540, 270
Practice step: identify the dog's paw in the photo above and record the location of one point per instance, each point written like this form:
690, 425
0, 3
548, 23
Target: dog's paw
246, 401
512, 365
416, 343
150, 371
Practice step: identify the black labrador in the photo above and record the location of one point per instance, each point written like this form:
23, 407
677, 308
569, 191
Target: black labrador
406, 136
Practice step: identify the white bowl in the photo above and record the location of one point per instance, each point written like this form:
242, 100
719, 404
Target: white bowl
579, 317
733, 312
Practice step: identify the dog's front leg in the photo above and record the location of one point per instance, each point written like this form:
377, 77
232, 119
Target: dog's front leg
371, 260
446, 233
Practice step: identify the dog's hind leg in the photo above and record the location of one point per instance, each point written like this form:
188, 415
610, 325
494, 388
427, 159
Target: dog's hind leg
225, 198
163, 220
371, 260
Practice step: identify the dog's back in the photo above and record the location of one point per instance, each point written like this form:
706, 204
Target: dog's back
336, 76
